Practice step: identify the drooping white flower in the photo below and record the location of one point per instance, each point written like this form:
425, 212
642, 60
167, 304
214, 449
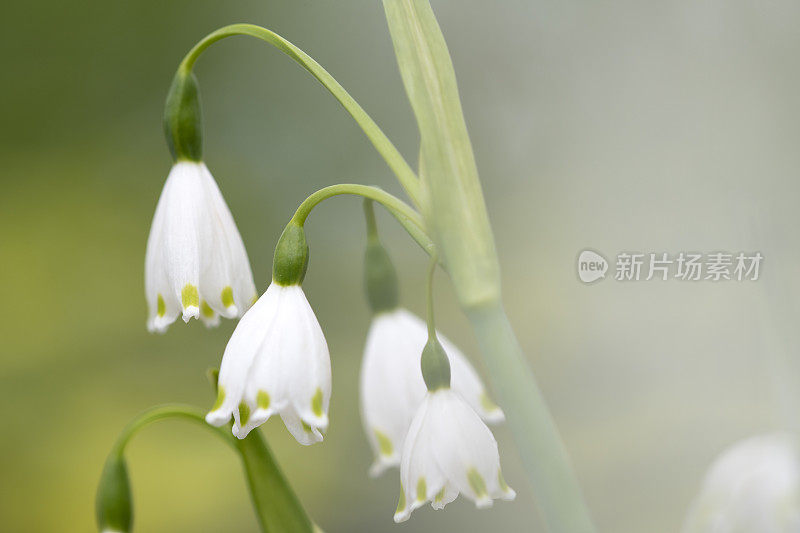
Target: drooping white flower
392, 387
754, 486
276, 362
196, 263
449, 450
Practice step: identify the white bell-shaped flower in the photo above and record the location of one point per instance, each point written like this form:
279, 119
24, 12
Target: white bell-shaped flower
392, 387
448, 450
276, 362
752, 486
196, 263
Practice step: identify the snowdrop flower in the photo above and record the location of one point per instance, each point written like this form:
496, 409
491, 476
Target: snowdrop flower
196, 264
277, 360
449, 450
752, 486
392, 388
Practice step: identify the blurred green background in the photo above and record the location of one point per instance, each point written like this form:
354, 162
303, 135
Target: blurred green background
620, 126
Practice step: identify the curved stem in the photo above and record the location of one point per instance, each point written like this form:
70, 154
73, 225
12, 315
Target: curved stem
411, 221
163, 412
407, 177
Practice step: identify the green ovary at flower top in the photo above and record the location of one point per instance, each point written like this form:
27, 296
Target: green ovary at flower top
113, 507
196, 264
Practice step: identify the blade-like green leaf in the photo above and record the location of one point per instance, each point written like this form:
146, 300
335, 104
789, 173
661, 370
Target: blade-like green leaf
453, 203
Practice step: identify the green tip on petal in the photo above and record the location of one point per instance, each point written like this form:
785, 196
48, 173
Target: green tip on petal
487, 403
501, 480
227, 296
206, 309
384, 443
244, 413
190, 297
306, 427
439, 496
263, 400
401, 503
422, 490
161, 306
220, 398
477, 483
316, 403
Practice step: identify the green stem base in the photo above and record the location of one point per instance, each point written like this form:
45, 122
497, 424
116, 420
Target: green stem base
555, 486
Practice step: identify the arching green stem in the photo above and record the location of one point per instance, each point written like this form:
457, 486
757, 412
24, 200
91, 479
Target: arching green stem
278, 509
405, 174
411, 221
166, 411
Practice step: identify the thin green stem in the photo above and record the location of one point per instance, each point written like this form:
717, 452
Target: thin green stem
405, 174
372, 224
431, 271
411, 221
162, 412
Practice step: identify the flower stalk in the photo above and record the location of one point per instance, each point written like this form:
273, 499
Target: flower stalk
277, 508
406, 215
408, 179
434, 362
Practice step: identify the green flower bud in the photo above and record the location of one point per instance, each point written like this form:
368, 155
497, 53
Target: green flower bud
291, 256
380, 277
435, 365
113, 506
183, 122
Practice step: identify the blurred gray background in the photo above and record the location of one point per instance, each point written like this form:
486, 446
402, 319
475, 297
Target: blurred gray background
619, 126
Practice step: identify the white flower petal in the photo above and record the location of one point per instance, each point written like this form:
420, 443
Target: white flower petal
185, 203
302, 432
311, 379
162, 306
226, 279
245, 343
391, 386
465, 380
